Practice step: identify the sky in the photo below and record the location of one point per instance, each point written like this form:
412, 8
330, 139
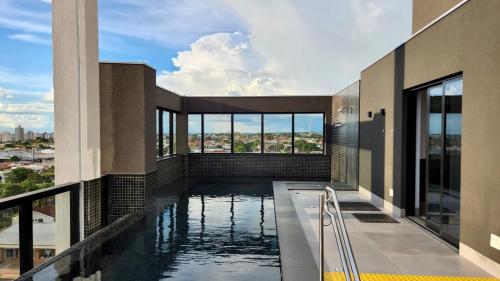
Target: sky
205, 47
251, 123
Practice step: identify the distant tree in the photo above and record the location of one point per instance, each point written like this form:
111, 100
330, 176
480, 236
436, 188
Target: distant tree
15, 159
18, 175
11, 189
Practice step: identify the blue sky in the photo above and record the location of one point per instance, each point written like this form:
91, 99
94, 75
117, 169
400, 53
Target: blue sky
204, 47
251, 123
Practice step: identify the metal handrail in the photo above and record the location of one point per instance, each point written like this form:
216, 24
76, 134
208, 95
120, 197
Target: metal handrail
347, 259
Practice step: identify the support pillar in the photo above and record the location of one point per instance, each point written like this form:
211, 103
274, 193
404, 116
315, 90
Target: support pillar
76, 103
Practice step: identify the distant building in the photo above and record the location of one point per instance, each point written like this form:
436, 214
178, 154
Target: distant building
29, 135
6, 137
19, 133
43, 241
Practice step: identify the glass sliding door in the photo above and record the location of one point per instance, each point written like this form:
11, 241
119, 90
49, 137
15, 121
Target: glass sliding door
434, 149
443, 158
451, 159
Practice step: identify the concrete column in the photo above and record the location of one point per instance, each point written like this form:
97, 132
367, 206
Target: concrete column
76, 102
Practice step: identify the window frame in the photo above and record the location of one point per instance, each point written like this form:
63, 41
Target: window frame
202, 114
231, 133
323, 119
159, 117
261, 130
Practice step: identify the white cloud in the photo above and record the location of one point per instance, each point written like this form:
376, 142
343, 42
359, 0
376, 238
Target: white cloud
31, 38
32, 110
294, 47
224, 64
49, 96
31, 115
29, 121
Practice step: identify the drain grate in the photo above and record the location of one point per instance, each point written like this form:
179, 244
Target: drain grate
374, 218
357, 206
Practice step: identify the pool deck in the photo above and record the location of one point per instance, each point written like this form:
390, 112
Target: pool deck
394, 248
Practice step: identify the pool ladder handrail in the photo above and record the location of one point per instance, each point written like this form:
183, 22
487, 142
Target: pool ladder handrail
347, 259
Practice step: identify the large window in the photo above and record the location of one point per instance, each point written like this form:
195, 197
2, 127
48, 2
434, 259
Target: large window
194, 133
286, 133
308, 133
247, 133
217, 133
158, 135
174, 133
278, 133
165, 132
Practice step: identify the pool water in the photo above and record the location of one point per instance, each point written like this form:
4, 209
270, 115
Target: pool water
215, 231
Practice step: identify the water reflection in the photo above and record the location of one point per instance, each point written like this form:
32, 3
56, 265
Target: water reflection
216, 232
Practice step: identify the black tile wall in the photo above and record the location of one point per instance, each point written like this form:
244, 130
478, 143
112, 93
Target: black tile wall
170, 169
92, 206
128, 193
248, 165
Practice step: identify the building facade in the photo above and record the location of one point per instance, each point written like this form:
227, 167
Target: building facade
427, 126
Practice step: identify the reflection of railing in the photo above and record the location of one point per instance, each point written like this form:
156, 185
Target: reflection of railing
25, 204
347, 259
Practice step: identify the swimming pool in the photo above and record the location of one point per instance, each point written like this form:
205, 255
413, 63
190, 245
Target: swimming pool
215, 231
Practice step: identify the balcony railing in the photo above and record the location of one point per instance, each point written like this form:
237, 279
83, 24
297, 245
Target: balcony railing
25, 204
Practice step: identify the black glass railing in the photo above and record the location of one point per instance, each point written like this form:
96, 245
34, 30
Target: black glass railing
26, 210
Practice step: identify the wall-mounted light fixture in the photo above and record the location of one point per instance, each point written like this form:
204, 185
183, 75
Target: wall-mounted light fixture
370, 114
382, 111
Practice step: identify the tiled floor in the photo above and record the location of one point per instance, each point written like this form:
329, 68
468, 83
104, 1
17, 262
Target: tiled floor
389, 248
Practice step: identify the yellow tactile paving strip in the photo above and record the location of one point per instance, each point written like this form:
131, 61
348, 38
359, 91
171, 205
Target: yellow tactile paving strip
339, 276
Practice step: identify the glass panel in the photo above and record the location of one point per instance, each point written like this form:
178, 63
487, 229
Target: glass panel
247, 133
44, 230
166, 133
308, 133
217, 138
451, 180
158, 137
9, 239
278, 133
194, 133
434, 155
174, 132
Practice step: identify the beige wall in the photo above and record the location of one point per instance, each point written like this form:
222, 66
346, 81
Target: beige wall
169, 100
123, 118
129, 98
425, 11
376, 133
468, 40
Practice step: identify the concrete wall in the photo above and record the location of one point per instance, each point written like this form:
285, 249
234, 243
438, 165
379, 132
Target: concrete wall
171, 101
76, 104
375, 134
425, 11
467, 40
126, 132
